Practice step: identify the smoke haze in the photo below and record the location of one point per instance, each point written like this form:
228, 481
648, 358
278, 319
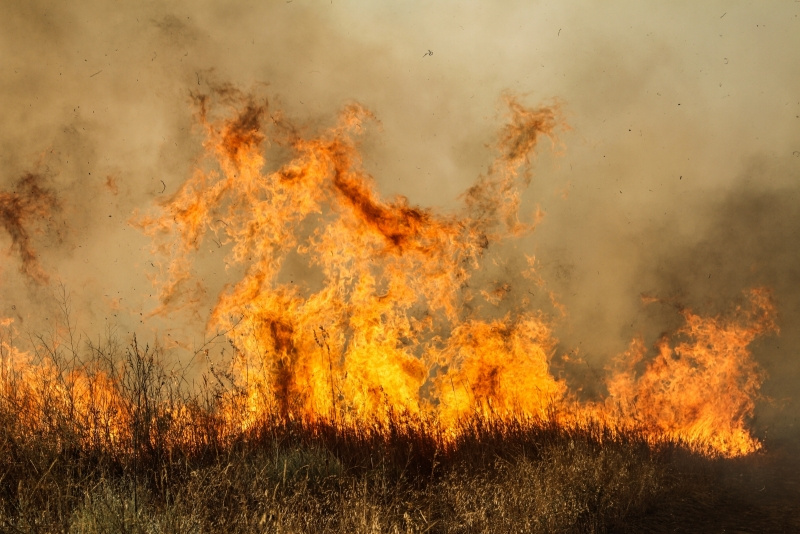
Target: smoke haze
679, 177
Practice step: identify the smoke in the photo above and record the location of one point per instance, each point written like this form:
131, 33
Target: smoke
20, 209
677, 180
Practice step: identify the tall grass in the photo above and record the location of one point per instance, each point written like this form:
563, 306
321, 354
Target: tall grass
105, 438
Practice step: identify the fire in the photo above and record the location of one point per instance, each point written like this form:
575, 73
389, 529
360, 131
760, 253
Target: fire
499, 369
702, 388
393, 278
387, 322
387, 317
52, 398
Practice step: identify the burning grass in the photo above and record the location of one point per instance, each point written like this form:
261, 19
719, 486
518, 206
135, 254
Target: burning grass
157, 457
388, 392
387, 316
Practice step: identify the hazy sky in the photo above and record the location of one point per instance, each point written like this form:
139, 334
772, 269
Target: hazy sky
679, 177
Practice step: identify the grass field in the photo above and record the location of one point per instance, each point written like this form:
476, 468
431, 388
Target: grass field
108, 441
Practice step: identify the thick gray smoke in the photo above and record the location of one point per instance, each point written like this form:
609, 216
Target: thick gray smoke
679, 178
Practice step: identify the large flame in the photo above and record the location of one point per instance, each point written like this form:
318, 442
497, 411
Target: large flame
388, 309
386, 316
386, 321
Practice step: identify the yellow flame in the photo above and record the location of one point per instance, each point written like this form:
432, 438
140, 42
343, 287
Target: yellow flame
390, 319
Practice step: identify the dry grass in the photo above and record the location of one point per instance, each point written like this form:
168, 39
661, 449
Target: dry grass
66, 468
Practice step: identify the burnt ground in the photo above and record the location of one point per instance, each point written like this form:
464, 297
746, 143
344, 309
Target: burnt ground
759, 493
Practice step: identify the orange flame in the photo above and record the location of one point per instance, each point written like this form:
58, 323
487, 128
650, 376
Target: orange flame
385, 320
51, 398
393, 276
701, 389
389, 317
